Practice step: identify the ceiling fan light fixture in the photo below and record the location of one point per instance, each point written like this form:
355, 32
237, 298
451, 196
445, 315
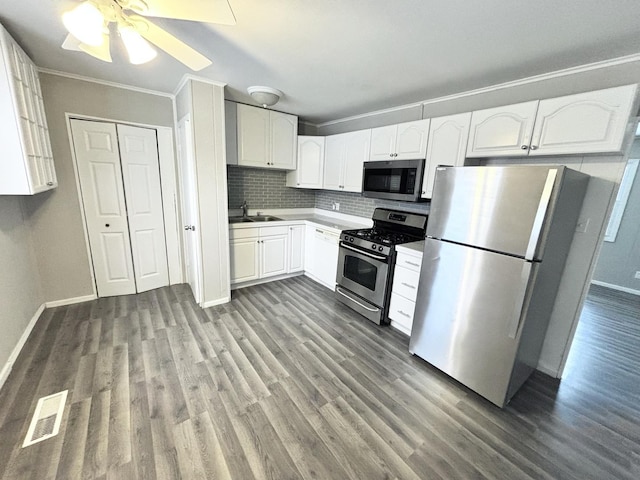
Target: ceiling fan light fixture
265, 96
139, 50
85, 22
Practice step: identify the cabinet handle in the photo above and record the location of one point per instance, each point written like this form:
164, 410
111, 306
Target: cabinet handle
423, 192
534, 147
408, 285
391, 155
404, 314
524, 147
50, 184
412, 264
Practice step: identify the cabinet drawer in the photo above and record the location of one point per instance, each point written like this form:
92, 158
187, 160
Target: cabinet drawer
401, 311
405, 282
279, 230
409, 261
243, 233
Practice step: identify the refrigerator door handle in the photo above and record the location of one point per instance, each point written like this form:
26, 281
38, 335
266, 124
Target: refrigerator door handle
541, 213
519, 303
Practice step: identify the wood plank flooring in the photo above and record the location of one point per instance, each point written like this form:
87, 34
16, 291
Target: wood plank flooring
284, 382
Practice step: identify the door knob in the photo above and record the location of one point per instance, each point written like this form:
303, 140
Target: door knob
107, 225
190, 227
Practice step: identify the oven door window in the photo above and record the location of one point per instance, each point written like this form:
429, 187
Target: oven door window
390, 180
360, 271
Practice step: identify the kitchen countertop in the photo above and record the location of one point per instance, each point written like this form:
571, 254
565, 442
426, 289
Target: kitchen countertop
412, 248
326, 221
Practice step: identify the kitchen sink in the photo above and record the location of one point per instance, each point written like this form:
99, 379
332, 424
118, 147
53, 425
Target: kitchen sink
255, 218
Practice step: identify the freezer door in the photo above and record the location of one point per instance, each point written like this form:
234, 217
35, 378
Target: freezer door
468, 316
503, 209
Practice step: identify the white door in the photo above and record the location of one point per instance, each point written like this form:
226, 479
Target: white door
284, 139
190, 208
273, 255
411, 140
333, 162
96, 148
141, 176
383, 143
356, 150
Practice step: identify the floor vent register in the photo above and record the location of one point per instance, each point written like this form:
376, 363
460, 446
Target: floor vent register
46, 419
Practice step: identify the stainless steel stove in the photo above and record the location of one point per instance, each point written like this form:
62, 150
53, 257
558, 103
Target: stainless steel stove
367, 260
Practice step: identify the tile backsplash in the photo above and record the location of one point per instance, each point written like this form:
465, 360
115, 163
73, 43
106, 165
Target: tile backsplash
263, 188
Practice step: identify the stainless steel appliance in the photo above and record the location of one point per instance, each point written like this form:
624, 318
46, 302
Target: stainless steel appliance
367, 257
393, 180
496, 246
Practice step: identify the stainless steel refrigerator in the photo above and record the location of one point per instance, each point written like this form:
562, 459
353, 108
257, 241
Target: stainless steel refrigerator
496, 245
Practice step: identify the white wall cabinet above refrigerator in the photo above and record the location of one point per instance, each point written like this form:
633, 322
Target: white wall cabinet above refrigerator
404, 141
310, 166
27, 159
447, 146
592, 122
345, 155
265, 139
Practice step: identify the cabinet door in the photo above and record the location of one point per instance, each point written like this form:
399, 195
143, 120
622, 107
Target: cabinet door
333, 162
244, 255
502, 131
447, 146
296, 248
284, 138
356, 151
309, 249
273, 255
310, 168
383, 143
253, 136
411, 140
590, 122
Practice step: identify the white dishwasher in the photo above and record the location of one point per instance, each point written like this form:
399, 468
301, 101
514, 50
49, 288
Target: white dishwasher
326, 264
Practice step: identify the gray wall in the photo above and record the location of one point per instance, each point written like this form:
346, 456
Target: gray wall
20, 292
620, 260
356, 204
55, 215
263, 188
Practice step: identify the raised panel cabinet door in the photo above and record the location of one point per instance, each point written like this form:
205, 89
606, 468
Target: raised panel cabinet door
284, 139
244, 256
98, 160
296, 248
253, 136
141, 176
502, 131
356, 150
310, 166
273, 255
447, 146
593, 122
383, 143
411, 140
334, 162
309, 249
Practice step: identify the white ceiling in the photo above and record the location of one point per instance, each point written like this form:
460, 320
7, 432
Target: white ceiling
338, 58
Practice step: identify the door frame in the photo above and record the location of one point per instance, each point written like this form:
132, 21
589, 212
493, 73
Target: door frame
170, 201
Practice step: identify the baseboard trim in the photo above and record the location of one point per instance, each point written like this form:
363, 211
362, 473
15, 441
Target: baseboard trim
251, 283
616, 287
213, 303
70, 301
6, 370
547, 370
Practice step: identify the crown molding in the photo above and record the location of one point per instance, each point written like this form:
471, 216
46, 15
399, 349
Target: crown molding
500, 86
105, 82
188, 76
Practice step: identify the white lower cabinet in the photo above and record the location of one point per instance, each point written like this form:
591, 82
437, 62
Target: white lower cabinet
273, 253
245, 254
405, 287
296, 248
257, 253
321, 254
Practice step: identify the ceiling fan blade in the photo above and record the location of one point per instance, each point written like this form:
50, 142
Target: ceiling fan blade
207, 11
101, 53
170, 44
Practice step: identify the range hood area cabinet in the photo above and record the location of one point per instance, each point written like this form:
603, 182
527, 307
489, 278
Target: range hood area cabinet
260, 138
592, 122
403, 141
345, 154
27, 159
310, 168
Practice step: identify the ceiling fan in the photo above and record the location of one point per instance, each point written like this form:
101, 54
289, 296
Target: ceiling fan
89, 22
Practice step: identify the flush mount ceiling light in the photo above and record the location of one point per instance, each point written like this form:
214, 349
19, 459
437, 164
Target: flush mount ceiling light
88, 26
265, 96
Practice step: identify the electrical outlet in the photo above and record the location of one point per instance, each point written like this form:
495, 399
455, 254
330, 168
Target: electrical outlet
637, 275
337, 206
583, 225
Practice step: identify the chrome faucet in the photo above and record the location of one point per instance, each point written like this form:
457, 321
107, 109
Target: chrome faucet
245, 208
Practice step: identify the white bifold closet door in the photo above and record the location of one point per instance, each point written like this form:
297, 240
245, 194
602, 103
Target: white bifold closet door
120, 186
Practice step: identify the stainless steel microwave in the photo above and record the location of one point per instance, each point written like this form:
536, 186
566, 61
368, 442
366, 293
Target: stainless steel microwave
393, 179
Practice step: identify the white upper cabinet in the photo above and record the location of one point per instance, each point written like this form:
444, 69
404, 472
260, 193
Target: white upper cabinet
404, 141
502, 131
345, 155
27, 159
265, 138
589, 122
447, 146
310, 167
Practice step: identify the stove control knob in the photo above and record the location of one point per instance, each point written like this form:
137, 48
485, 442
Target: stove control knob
351, 239
374, 246
380, 248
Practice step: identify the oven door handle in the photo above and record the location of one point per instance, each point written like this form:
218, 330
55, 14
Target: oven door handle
355, 301
366, 254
